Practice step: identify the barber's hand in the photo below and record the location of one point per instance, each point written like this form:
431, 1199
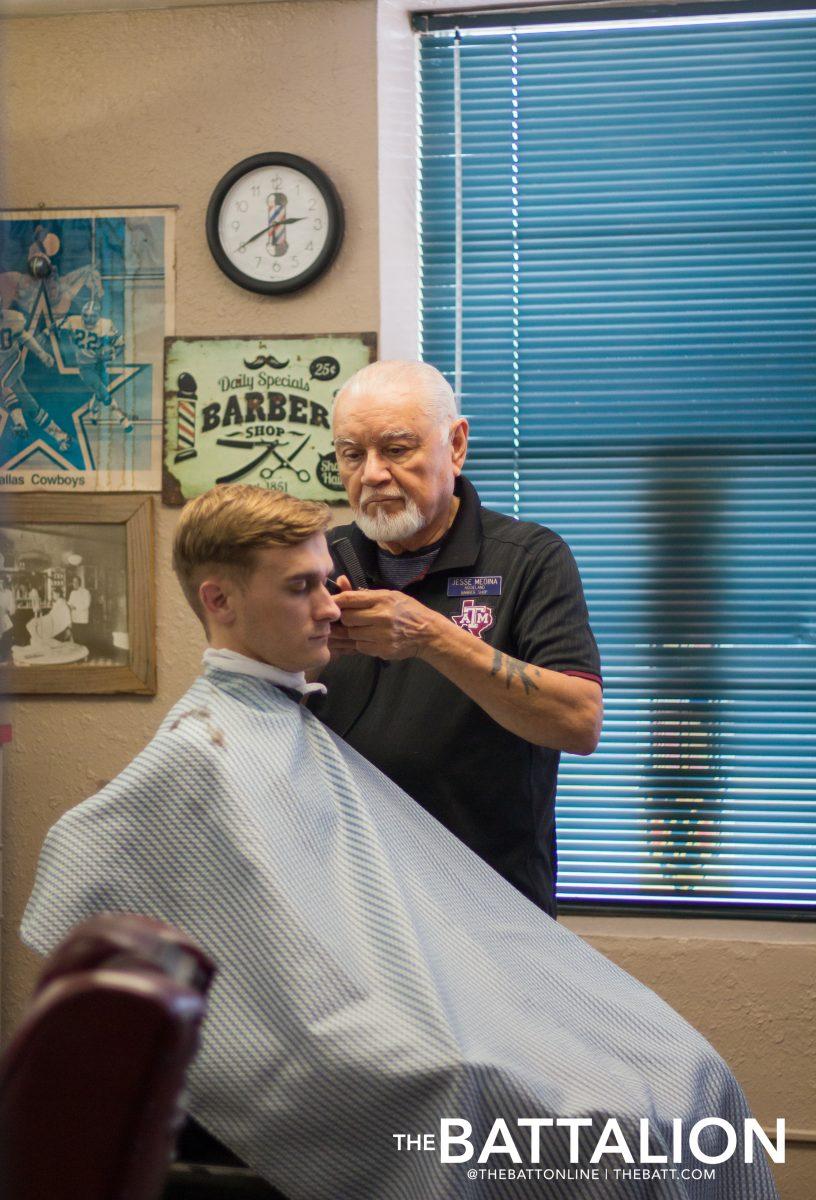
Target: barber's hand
386, 624
340, 643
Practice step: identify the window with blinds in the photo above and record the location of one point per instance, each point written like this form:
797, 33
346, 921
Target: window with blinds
618, 241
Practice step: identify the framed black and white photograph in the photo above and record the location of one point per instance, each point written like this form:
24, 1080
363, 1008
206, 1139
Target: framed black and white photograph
76, 594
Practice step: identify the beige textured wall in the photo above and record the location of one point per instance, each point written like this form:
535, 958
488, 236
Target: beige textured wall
750, 987
151, 108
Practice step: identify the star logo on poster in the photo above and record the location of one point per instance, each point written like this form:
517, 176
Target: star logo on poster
68, 400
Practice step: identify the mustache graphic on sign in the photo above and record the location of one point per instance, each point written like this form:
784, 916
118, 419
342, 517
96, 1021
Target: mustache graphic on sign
265, 360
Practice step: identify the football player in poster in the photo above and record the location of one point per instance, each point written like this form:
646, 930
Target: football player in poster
84, 317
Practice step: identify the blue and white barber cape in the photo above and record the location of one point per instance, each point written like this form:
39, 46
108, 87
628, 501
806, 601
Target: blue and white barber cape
376, 977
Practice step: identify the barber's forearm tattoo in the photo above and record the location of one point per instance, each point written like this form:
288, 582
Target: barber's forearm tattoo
513, 670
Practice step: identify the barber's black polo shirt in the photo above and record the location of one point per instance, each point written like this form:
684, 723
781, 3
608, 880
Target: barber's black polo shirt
515, 585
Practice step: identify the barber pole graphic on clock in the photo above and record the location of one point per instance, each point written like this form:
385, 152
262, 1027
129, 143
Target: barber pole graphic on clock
276, 243
475, 618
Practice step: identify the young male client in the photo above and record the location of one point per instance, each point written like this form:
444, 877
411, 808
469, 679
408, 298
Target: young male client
375, 976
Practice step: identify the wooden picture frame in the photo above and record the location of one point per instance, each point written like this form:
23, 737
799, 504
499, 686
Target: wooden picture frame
123, 661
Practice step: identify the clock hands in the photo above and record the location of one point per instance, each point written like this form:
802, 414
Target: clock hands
273, 225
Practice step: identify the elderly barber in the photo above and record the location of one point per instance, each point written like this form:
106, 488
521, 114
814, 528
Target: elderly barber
468, 663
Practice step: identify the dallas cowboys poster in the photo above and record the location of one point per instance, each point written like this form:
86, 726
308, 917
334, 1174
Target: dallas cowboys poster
85, 304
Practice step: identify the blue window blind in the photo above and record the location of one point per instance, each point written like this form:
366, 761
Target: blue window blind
618, 240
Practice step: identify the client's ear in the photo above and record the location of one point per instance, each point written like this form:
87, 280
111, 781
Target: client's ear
216, 601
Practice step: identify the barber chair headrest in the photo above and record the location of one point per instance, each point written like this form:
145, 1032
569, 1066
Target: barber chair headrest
128, 939
91, 1080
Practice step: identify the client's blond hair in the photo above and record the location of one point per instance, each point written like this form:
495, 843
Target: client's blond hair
226, 525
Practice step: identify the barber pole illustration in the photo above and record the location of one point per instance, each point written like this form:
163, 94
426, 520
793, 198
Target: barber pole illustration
187, 407
276, 243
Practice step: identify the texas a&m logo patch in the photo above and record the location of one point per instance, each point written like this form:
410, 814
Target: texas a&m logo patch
476, 618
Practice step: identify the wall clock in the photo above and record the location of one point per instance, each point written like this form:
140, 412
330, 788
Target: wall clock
274, 223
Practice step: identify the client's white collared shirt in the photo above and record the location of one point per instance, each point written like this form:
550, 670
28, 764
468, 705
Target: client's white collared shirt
240, 664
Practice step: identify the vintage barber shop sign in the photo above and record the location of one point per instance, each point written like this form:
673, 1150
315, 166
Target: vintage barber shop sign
256, 410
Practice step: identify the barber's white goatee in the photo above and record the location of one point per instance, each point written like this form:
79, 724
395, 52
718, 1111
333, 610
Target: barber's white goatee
381, 526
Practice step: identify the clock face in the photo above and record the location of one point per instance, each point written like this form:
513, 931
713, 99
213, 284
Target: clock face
274, 223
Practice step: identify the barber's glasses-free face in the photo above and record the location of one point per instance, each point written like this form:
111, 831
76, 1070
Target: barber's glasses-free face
386, 448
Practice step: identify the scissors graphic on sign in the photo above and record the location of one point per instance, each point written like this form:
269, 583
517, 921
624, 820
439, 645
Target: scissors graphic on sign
267, 448
303, 475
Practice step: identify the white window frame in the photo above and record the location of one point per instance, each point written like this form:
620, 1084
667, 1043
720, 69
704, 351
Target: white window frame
397, 101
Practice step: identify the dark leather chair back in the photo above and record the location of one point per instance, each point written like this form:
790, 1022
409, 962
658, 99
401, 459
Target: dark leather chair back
90, 1083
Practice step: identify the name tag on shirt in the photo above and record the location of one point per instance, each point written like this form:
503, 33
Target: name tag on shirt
475, 585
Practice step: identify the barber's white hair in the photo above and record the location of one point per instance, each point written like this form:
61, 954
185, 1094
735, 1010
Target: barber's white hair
415, 380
